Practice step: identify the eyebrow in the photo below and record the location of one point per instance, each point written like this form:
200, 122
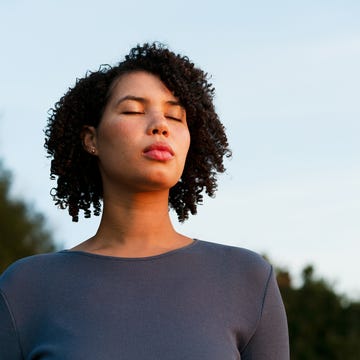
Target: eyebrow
174, 102
143, 100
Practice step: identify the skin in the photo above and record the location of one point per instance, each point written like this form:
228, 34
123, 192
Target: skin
140, 113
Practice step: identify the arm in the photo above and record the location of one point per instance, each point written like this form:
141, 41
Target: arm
270, 339
9, 343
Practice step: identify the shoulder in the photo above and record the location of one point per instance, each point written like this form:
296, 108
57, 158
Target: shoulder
33, 262
235, 264
243, 275
30, 270
233, 256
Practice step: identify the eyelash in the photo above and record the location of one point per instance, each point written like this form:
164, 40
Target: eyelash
173, 118
140, 113
132, 113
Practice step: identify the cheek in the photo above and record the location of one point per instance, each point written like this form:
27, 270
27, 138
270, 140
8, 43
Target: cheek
186, 142
182, 132
118, 134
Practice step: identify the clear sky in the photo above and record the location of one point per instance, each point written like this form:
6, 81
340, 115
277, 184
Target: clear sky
287, 80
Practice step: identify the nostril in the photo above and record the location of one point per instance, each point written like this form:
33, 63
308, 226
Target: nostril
159, 130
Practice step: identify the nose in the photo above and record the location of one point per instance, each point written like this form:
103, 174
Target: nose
158, 126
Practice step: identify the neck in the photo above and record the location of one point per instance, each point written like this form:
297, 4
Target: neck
135, 225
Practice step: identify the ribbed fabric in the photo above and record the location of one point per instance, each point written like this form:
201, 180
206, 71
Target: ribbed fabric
204, 302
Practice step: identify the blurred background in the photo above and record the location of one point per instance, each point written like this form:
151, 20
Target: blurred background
287, 85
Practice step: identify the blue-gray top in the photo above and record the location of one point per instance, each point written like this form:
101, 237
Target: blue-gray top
204, 301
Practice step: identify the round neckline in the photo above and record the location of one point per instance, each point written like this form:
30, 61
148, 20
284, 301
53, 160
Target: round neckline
121, 258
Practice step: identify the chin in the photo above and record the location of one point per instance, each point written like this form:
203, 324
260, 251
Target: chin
161, 185
163, 179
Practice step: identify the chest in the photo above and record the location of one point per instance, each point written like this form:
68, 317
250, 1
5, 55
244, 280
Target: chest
167, 317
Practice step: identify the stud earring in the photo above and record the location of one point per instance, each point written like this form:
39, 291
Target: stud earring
92, 150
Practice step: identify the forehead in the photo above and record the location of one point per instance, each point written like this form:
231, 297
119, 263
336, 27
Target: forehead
140, 83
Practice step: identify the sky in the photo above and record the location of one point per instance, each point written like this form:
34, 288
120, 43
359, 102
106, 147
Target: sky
287, 81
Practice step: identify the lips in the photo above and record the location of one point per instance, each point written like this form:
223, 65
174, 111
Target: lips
159, 151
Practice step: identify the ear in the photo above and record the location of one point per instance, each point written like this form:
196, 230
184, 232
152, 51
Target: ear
89, 137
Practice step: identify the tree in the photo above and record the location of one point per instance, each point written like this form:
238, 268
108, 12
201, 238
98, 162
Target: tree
22, 229
322, 324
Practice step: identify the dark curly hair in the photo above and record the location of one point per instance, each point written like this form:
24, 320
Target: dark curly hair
79, 183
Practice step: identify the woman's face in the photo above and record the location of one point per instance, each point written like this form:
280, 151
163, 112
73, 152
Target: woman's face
143, 138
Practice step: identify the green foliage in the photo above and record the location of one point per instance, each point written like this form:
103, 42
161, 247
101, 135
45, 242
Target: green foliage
22, 230
322, 324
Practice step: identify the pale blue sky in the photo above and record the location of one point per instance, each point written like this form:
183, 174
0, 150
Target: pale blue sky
288, 84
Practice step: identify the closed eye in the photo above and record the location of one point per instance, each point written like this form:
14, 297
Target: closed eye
132, 112
173, 118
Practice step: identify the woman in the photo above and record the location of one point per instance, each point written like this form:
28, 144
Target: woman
140, 136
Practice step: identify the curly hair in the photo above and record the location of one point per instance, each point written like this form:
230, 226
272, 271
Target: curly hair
79, 182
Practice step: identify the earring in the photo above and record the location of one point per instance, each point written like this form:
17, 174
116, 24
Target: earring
92, 150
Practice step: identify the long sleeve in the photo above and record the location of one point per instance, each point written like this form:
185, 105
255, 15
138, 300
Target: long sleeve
67, 305
9, 344
270, 340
